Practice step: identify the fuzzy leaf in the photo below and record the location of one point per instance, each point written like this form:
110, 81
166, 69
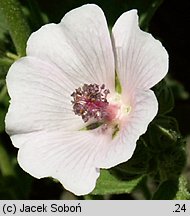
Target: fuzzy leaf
109, 184
16, 23
137, 165
167, 190
183, 193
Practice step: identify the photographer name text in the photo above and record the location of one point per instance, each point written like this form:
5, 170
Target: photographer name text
24, 208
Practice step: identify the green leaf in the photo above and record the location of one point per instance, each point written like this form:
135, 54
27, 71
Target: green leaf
183, 193
171, 162
3, 27
136, 165
109, 184
16, 23
164, 96
167, 190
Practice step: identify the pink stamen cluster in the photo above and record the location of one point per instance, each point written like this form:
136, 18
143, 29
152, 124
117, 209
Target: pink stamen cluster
90, 101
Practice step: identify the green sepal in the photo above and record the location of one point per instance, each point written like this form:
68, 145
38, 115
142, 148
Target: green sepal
162, 133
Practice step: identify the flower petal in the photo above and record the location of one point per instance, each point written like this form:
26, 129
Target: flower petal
68, 157
120, 149
142, 61
40, 98
80, 45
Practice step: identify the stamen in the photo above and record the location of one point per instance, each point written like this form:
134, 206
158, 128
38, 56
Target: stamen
90, 101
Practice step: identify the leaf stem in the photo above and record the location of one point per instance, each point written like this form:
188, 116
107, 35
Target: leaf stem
16, 22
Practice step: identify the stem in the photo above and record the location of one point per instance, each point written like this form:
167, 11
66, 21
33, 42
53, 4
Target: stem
5, 163
16, 22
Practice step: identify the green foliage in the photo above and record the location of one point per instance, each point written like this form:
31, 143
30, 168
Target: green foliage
4, 101
15, 186
164, 96
14, 18
183, 193
136, 166
171, 163
34, 15
3, 27
167, 190
163, 133
14, 183
109, 184
166, 148
2, 117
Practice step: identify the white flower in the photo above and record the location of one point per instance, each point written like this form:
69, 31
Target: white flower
76, 60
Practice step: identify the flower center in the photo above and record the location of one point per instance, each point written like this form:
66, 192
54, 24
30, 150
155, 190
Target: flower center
90, 101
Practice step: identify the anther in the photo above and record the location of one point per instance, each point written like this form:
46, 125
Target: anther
90, 101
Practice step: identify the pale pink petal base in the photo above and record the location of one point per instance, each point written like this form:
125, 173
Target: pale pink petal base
120, 149
74, 158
